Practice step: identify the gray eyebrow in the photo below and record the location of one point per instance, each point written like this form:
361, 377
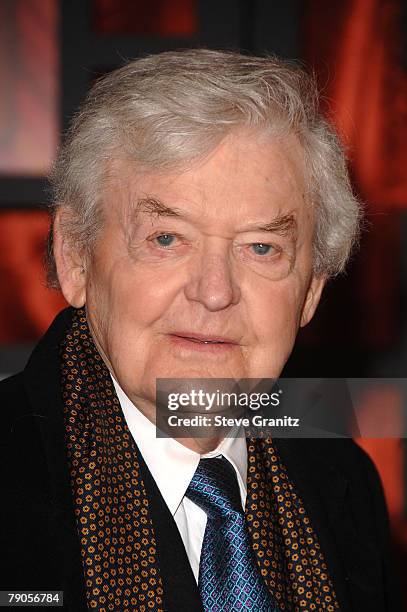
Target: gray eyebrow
282, 224
154, 206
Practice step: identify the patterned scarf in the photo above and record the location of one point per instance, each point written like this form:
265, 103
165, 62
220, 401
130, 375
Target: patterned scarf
114, 525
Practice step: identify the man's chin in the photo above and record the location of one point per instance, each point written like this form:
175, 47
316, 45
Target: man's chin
201, 370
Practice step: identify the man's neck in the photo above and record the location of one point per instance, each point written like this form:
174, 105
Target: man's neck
201, 445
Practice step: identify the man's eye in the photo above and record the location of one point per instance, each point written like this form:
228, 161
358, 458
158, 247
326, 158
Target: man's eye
165, 240
260, 248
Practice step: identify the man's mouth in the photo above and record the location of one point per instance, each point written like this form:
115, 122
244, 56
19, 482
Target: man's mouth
202, 340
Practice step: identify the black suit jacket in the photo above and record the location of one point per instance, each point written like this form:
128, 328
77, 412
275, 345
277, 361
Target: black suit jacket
39, 543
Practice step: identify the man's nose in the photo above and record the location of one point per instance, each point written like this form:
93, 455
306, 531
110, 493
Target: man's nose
212, 282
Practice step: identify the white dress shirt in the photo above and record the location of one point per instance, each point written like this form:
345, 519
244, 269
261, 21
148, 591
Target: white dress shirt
173, 465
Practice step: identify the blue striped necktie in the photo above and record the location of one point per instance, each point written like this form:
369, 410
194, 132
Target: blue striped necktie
229, 577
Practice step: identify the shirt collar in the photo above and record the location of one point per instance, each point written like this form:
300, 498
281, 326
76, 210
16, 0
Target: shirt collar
172, 464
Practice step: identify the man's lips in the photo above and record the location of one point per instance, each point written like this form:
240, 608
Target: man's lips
203, 338
197, 341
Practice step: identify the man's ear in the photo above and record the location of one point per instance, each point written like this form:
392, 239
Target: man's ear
312, 299
69, 263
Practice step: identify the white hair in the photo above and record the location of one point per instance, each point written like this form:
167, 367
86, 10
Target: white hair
164, 111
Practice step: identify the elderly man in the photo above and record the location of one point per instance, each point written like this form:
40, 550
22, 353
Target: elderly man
201, 203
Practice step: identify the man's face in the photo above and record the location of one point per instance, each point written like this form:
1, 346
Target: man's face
205, 273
